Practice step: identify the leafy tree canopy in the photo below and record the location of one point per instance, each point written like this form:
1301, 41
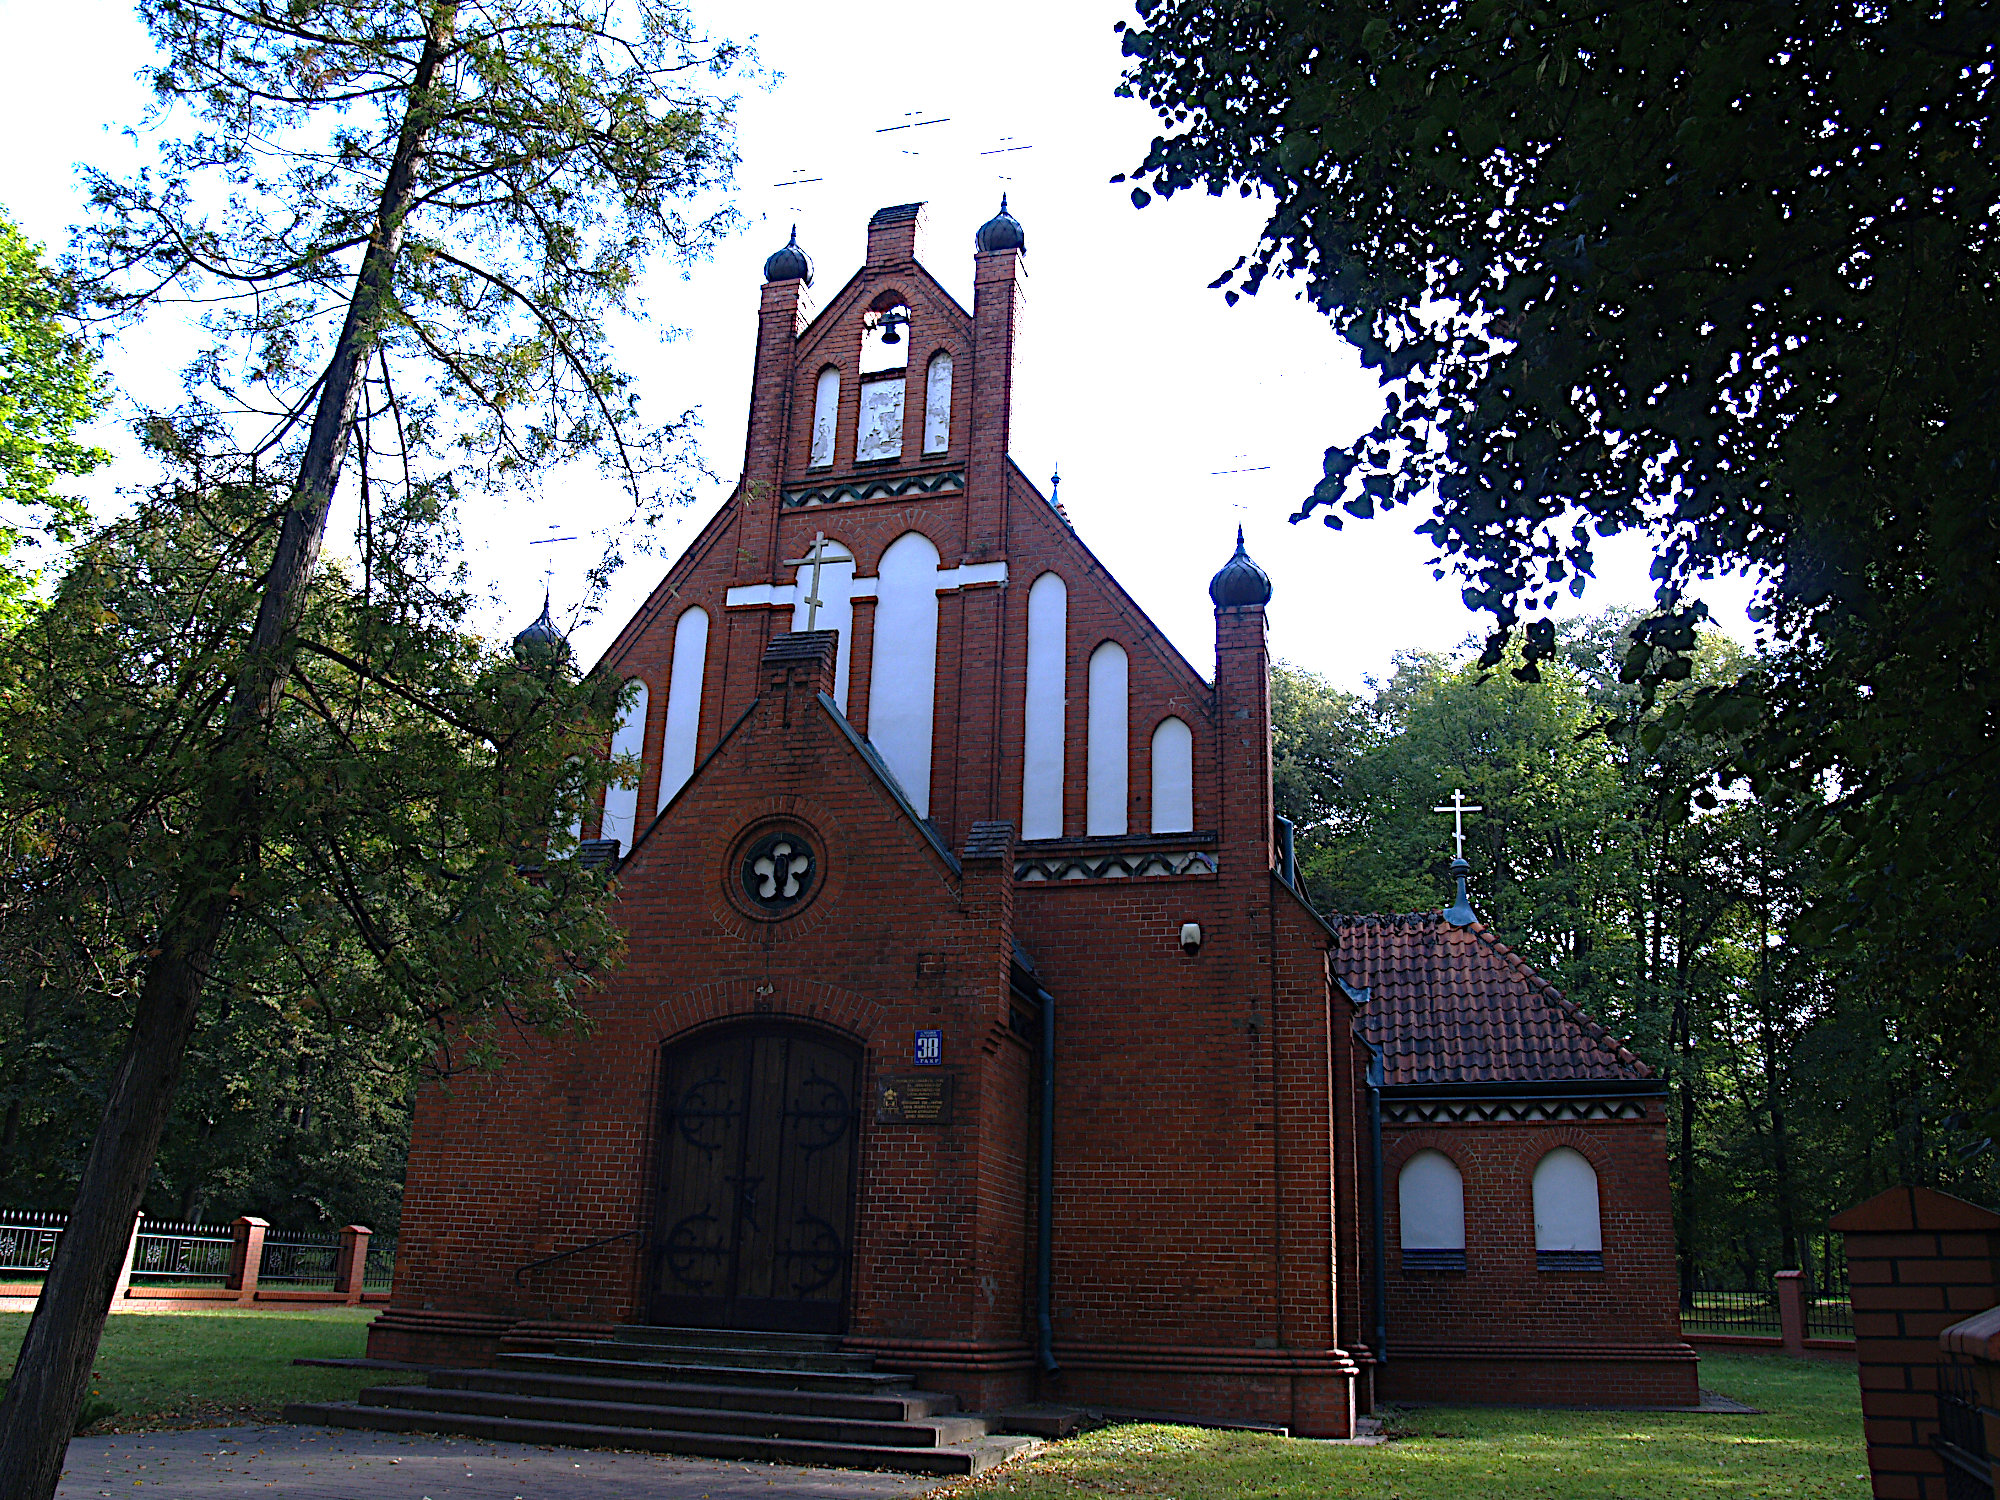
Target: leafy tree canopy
1726, 275
49, 386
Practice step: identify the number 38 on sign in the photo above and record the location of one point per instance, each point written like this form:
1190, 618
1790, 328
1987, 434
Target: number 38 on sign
930, 1049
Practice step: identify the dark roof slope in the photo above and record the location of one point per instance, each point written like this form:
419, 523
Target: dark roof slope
1455, 1005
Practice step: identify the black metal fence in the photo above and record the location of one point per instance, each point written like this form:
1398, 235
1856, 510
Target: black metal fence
1747, 1310
299, 1260
28, 1241
194, 1255
381, 1268
182, 1254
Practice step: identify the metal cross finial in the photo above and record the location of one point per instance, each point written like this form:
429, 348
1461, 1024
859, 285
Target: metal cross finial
815, 556
1458, 808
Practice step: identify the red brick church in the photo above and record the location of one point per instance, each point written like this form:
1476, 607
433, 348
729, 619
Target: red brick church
972, 1024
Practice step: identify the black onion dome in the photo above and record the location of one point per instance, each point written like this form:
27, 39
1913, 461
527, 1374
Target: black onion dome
541, 644
1241, 582
790, 263
1001, 232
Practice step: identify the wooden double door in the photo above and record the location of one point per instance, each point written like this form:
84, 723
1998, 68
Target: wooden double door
754, 1202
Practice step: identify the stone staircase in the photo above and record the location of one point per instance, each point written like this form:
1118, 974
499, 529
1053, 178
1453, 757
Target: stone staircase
778, 1397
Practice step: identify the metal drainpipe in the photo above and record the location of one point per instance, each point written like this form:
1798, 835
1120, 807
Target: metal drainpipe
1045, 1215
1381, 1270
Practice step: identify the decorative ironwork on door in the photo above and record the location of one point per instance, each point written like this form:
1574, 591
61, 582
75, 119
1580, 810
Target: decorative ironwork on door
753, 1205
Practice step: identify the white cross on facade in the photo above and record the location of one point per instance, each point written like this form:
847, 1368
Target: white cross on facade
1458, 808
815, 556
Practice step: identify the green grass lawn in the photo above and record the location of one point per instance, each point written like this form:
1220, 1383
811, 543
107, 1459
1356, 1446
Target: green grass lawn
222, 1368
217, 1368
1808, 1443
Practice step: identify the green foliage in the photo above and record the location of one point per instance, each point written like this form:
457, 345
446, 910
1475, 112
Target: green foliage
402, 915
49, 386
1805, 1440
1595, 311
1682, 920
549, 151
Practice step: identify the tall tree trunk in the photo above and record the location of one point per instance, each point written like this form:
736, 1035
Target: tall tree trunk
1769, 1043
53, 1370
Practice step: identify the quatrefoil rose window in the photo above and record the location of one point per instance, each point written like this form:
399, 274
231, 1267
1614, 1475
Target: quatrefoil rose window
778, 872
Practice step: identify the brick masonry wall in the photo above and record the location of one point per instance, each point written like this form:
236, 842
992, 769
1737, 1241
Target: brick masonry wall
1918, 1261
1501, 1328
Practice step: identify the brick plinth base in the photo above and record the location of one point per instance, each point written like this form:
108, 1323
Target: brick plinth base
1314, 1396
1566, 1376
460, 1340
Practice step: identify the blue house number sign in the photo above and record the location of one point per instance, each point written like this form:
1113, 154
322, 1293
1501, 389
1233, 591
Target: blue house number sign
930, 1048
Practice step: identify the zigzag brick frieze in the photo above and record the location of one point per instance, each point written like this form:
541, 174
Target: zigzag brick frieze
887, 488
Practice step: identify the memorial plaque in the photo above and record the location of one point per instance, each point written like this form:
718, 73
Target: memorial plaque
923, 1100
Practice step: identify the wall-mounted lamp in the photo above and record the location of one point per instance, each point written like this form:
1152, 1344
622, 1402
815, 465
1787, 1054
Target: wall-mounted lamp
1190, 938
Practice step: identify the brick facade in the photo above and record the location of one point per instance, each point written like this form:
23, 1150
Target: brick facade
1210, 1245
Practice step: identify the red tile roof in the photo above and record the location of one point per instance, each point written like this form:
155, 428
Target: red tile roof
1455, 1005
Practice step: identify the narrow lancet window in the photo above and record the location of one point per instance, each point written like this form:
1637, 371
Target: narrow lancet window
1044, 719
902, 693
621, 798
1106, 767
1173, 777
826, 411
937, 404
677, 744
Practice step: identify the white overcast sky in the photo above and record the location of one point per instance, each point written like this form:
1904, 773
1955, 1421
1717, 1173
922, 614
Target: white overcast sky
1131, 375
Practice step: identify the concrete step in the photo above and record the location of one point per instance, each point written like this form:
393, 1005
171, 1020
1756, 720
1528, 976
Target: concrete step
886, 1406
966, 1458
716, 1356
726, 1338
931, 1432
702, 1374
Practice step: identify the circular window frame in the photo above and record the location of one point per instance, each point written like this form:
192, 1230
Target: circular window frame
745, 849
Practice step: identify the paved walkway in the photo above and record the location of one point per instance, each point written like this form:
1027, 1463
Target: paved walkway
320, 1463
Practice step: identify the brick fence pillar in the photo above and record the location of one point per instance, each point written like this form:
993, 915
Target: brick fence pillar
1918, 1261
1792, 1311
124, 1286
246, 1258
1975, 1344
352, 1268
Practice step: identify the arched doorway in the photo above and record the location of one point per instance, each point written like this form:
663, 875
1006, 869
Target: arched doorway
753, 1202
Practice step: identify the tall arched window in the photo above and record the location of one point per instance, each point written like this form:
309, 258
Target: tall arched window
902, 678
621, 799
826, 411
1106, 763
1046, 709
677, 744
1430, 1203
836, 606
937, 404
1568, 1233
1173, 777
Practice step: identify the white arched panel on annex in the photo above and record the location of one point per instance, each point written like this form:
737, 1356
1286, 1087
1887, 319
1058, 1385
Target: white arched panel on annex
1107, 764
1043, 721
621, 799
677, 742
826, 412
902, 685
1173, 777
937, 403
1430, 1203
1566, 1216
836, 606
